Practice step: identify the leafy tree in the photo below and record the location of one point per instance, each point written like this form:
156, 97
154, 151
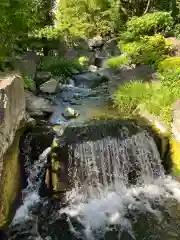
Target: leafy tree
88, 17
17, 17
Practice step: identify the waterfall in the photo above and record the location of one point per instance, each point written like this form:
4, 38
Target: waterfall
118, 189
111, 160
115, 178
30, 195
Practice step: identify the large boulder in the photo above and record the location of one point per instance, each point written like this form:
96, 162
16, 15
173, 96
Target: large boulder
97, 151
12, 112
95, 42
89, 79
28, 63
175, 46
37, 106
100, 58
111, 49
49, 86
78, 48
42, 77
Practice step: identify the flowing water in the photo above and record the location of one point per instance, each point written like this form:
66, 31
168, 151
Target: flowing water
118, 190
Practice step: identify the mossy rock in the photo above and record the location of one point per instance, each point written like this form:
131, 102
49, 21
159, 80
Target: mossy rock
116, 62
169, 64
58, 169
175, 153
168, 147
10, 181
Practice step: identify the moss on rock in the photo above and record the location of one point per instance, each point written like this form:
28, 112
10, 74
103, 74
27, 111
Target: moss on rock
11, 181
175, 153
59, 174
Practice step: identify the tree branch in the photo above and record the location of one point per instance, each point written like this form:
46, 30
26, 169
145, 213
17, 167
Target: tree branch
147, 7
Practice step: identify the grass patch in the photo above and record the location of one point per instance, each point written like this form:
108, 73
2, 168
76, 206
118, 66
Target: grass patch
157, 98
116, 62
60, 67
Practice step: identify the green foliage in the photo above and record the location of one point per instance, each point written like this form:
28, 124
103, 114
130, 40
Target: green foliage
59, 67
83, 61
16, 19
29, 83
148, 50
130, 95
171, 63
88, 17
171, 77
148, 24
49, 32
157, 98
176, 31
116, 62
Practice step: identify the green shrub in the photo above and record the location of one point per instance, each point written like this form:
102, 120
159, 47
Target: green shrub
160, 103
148, 50
116, 62
45, 37
83, 61
29, 83
130, 95
157, 98
176, 31
171, 78
170, 63
59, 67
48, 32
148, 24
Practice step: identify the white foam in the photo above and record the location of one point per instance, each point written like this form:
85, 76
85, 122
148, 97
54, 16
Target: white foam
97, 213
30, 193
23, 211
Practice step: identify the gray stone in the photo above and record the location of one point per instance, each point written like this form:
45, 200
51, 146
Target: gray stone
79, 48
100, 58
12, 115
106, 73
49, 86
37, 106
42, 77
71, 54
28, 63
30, 122
95, 42
111, 49
12, 108
92, 68
70, 113
89, 79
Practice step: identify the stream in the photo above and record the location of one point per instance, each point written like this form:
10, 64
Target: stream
119, 188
